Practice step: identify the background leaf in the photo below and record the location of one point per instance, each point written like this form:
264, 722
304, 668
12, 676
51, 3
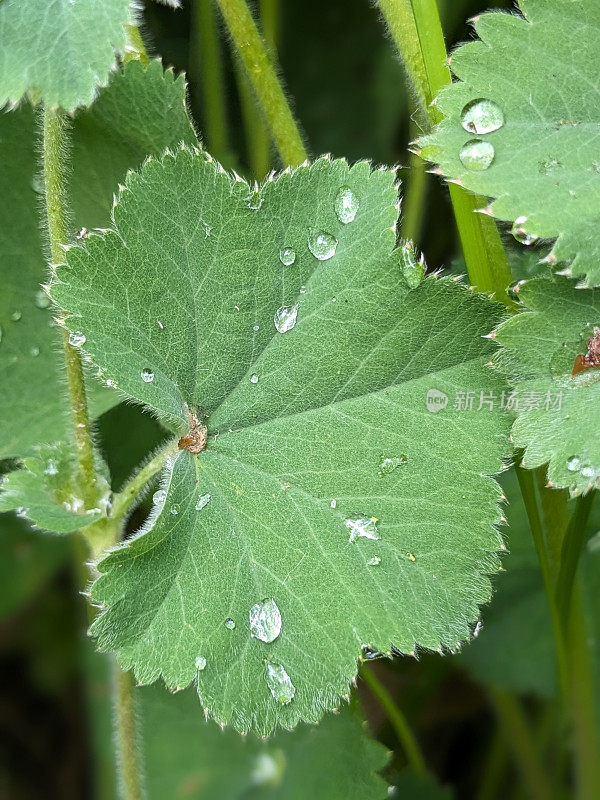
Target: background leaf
334, 432
59, 51
540, 72
539, 348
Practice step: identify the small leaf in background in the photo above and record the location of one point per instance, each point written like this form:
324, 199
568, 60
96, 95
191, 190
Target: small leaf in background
141, 112
47, 492
521, 125
555, 411
59, 52
188, 757
327, 486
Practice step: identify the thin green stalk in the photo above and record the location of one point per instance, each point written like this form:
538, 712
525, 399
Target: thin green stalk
417, 32
413, 201
55, 145
123, 501
263, 77
206, 69
518, 736
399, 722
128, 756
493, 768
572, 546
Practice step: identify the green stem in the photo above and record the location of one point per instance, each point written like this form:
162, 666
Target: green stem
135, 46
128, 757
413, 202
399, 722
417, 32
493, 767
55, 145
123, 501
263, 78
206, 67
518, 736
572, 546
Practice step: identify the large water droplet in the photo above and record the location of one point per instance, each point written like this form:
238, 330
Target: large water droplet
388, 465
362, 529
280, 684
175, 509
229, 624
321, 244
254, 378
76, 338
159, 497
573, 464
477, 154
147, 375
285, 318
41, 299
346, 205
287, 256
265, 621
200, 663
482, 116
203, 501
520, 234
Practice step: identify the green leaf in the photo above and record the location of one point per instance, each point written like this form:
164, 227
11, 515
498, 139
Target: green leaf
410, 785
312, 433
47, 491
186, 756
59, 51
540, 71
554, 411
141, 112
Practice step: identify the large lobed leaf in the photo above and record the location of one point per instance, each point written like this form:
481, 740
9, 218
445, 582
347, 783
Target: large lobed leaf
59, 51
555, 411
142, 112
540, 71
313, 433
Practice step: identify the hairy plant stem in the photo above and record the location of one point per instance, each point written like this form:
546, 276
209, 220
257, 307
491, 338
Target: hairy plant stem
123, 501
206, 70
128, 756
55, 146
264, 80
417, 32
553, 533
399, 722
518, 736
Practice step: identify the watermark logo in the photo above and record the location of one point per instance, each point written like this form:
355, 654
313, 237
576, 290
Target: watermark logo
436, 400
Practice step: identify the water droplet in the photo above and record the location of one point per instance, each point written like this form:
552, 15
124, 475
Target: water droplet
477, 154
35, 351
256, 327
51, 467
265, 621
254, 200
369, 652
520, 234
413, 268
147, 375
229, 624
175, 508
161, 327
374, 561
388, 465
287, 256
303, 289
203, 500
482, 116
37, 183
268, 769
111, 384
254, 378
200, 663
280, 684
285, 318
41, 299
573, 464
333, 504
346, 205
16, 316
362, 529
321, 244
159, 497
76, 338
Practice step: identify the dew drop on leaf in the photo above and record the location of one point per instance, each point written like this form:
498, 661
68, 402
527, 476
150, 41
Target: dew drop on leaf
413, 268
520, 234
482, 116
477, 154
229, 624
147, 375
388, 465
265, 621
573, 464
303, 289
369, 652
285, 318
203, 501
362, 529
174, 509
287, 256
375, 561
41, 299
346, 205
321, 244
333, 503
51, 467
280, 684
76, 338
16, 316
254, 199
35, 351
200, 663
256, 327
254, 378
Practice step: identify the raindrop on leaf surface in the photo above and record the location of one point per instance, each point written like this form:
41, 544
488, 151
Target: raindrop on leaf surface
482, 116
147, 375
254, 378
280, 684
229, 624
520, 234
174, 509
159, 497
346, 205
41, 299
285, 318
389, 465
374, 561
76, 339
321, 244
287, 256
362, 529
477, 155
265, 621
573, 464
200, 663
203, 501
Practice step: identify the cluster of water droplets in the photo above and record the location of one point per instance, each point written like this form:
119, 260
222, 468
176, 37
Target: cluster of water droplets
582, 465
481, 116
